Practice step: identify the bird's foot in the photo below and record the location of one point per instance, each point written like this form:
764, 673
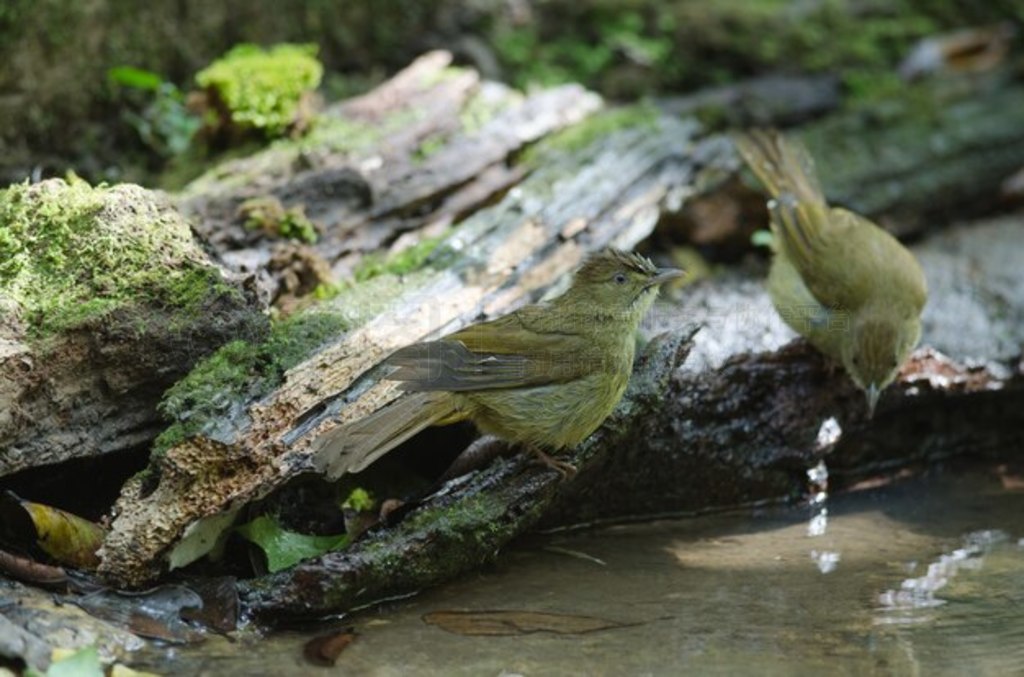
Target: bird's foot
566, 470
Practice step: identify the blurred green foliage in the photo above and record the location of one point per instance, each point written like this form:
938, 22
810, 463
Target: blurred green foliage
61, 110
628, 49
157, 111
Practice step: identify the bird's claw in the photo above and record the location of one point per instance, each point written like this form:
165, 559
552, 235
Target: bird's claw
563, 468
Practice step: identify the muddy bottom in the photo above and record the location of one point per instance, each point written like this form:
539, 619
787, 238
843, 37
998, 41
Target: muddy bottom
924, 576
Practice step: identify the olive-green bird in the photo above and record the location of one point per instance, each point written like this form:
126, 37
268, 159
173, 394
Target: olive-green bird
836, 278
544, 376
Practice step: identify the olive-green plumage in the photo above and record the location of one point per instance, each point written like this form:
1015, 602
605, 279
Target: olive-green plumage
546, 375
836, 278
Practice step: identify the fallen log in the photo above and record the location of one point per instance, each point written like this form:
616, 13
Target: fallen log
608, 180
581, 197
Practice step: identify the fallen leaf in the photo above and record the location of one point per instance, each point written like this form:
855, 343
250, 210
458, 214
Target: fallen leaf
29, 571
284, 548
325, 649
509, 622
969, 50
119, 670
67, 538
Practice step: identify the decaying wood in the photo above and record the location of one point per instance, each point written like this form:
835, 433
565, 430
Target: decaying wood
919, 161
768, 100
362, 196
612, 190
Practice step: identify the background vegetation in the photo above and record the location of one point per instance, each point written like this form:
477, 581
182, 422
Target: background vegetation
70, 99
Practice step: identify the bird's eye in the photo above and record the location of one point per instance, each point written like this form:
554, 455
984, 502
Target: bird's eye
620, 278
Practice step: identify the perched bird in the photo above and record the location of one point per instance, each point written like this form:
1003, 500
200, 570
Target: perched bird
836, 278
544, 376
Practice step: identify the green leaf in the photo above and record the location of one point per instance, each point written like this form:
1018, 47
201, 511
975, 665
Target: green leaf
136, 78
284, 548
761, 238
82, 663
360, 500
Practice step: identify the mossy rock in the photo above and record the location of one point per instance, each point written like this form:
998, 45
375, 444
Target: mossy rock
72, 256
107, 299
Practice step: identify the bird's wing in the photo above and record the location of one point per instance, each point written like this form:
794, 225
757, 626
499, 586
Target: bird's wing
502, 353
843, 258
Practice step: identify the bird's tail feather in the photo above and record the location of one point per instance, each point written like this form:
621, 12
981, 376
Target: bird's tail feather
352, 447
783, 166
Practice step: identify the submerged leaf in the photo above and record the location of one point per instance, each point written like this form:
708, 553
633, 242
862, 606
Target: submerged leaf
285, 548
325, 649
29, 571
511, 622
82, 663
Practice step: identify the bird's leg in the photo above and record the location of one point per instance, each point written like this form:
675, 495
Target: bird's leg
477, 455
566, 470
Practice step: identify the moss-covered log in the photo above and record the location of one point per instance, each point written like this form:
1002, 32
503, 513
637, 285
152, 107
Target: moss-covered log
105, 301
938, 151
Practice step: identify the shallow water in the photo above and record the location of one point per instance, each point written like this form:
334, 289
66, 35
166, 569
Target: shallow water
925, 576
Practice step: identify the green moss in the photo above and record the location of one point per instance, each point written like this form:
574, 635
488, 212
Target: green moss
484, 105
429, 146
262, 87
433, 78
339, 135
400, 263
71, 254
329, 133
579, 136
269, 215
239, 372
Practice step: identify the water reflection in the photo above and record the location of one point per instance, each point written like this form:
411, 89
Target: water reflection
918, 593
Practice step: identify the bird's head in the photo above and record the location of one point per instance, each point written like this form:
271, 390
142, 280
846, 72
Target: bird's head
619, 285
878, 345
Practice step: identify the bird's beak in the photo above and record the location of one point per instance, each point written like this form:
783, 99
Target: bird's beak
664, 275
872, 392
